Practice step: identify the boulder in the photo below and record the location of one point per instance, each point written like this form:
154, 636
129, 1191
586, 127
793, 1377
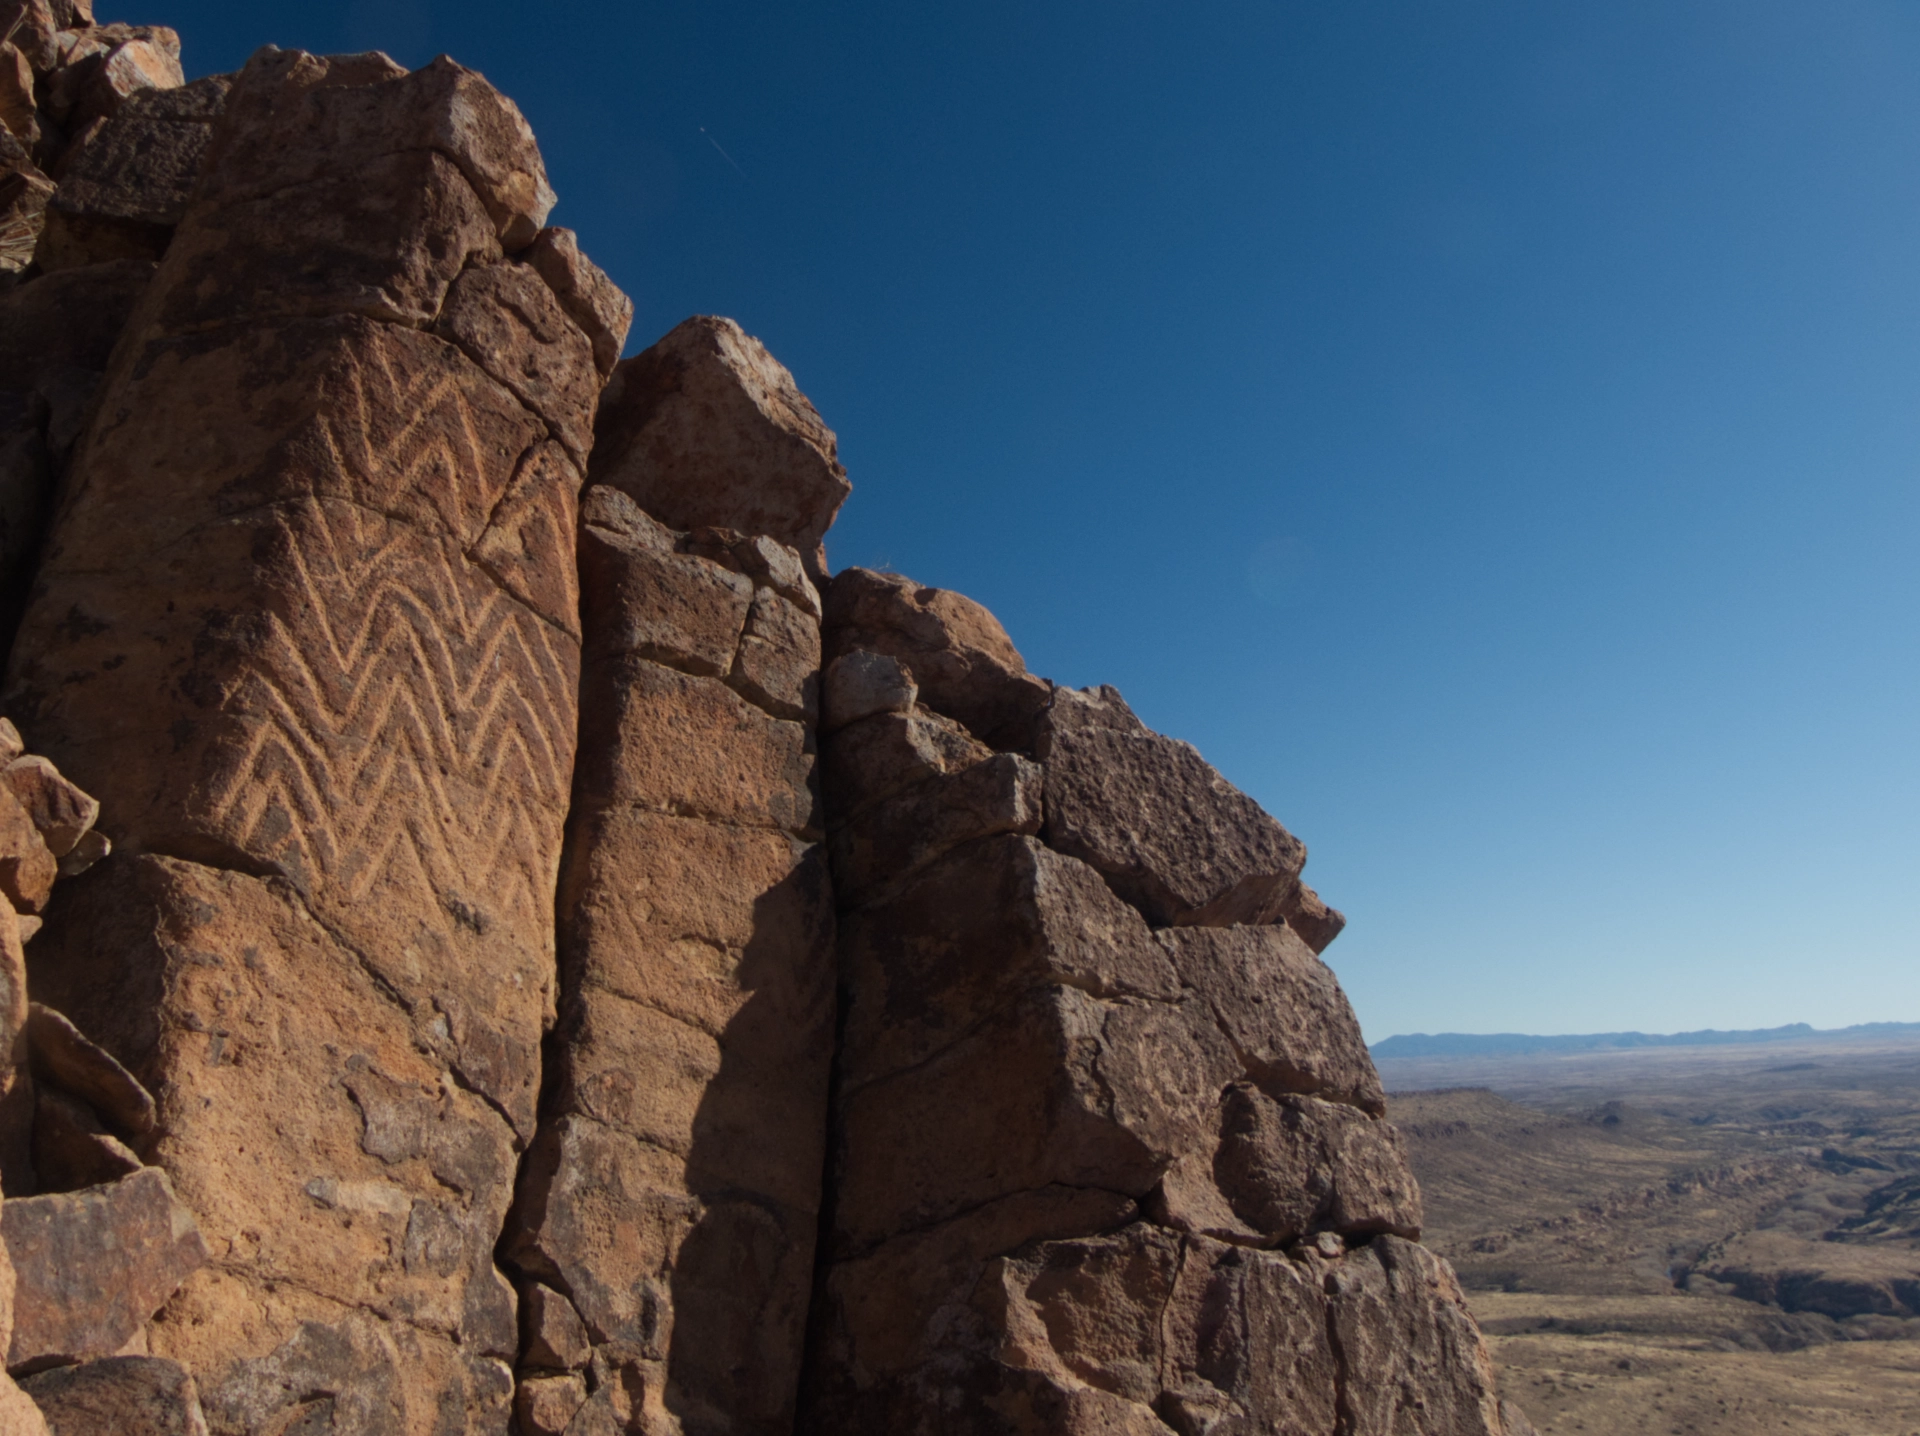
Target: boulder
707, 428
603, 313
1171, 835
122, 195
957, 652
16, 1078
119, 1396
28, 867
673, 1191
91, 1267
546, 1405
1296, 1165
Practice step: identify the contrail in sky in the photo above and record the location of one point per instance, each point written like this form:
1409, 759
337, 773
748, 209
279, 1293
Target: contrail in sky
723, 154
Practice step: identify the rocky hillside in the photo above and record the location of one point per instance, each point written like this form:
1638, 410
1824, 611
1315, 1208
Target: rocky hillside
499, 936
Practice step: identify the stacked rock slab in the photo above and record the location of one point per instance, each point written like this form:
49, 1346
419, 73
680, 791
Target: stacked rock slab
307, 623
1107, 1150
673, 1194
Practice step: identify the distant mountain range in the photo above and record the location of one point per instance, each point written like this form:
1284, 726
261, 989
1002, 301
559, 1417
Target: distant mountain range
1496, 1044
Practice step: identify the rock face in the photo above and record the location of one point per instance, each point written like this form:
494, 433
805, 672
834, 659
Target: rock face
674, 1189
320, 660
1105, 1134
494, 937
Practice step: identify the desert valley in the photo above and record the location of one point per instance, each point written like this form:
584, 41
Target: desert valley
1714, 1238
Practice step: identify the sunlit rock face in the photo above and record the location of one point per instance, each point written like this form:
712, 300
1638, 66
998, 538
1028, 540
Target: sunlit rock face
498, 936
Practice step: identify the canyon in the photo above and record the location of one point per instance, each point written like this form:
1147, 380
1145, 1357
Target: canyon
499, 935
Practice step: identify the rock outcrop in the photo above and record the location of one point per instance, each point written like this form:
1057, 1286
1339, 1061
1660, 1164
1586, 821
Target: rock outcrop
495, 935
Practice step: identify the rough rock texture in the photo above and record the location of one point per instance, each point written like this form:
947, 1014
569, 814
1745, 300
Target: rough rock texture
707, 428
319, 659
1089, 1171
673, 1192
91, 1267
119, 1396
389, 1071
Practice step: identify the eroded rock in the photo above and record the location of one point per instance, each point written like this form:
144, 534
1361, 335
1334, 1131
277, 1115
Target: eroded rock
119, 1396
707, 428
92, 1266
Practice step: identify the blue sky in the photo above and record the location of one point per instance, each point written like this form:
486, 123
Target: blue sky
1488, 431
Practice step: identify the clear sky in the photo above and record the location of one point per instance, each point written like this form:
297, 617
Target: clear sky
1488, 431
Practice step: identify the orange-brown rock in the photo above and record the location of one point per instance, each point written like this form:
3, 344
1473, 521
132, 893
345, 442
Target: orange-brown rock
1316, 924
956, 652
706, 428
595, 303
347, 612
1171, 835
16, 1077
673, 1192
119, 1396
19, 1416
91, 1267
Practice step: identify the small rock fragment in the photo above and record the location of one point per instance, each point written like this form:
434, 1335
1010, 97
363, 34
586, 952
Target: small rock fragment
57, 806
546, 1405
63, 1055
94, 1266
11, 743
1315, 922
119, 1396
553, 1338
27, 867
92, 846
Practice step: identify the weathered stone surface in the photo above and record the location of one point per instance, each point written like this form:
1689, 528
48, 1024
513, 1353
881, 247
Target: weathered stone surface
1170, 834
27, 867
648, 601
1316, 923
320, 660
18, 1414
1411, 1353
65, 1058
119, 1396
860, 684
1299, 1165
778, 663
505, 318
546, 1405
72, 1148
891, 840
655, 737
551, 1336
1282, 1009
60, 810
123, 193
91, 1267
868, 761
69, 319
596, 304
957, 652
673, 1191
707, 428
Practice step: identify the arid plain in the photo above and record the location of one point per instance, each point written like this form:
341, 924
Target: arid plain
1688, 1240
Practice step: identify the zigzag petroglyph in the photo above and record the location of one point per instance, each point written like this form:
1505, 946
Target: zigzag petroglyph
398, 696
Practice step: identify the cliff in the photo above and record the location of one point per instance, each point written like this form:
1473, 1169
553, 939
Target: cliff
498, 935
